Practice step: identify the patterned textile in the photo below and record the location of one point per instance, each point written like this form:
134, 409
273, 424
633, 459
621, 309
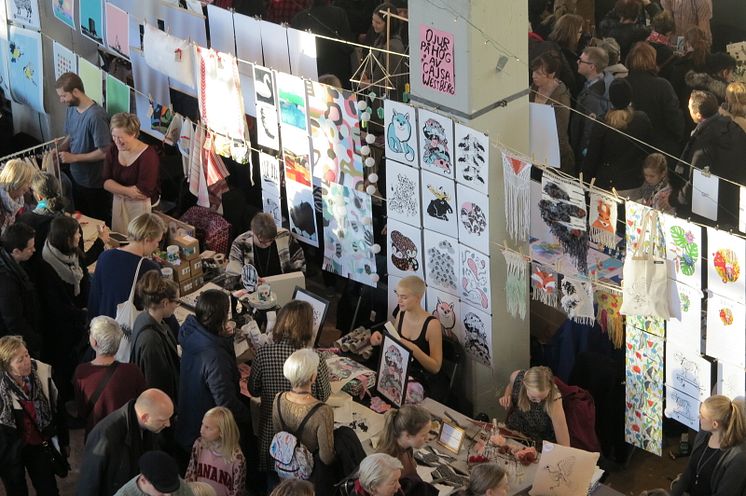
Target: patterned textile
220, 97
235, 484
242, 251
213, 230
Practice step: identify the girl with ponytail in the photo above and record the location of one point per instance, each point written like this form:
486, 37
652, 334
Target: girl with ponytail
405, 430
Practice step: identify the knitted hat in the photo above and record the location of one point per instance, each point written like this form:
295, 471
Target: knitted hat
620, 94
160, 470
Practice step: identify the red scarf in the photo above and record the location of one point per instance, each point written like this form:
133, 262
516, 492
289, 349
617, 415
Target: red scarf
658, 38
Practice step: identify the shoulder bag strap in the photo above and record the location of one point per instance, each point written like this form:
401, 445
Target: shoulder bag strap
310, 413
134, 281
279, 412
99, 389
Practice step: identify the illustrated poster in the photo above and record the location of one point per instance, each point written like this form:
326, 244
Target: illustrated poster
644, 390
24, 12
391, 381
439, 204
271, 181
117, 30
683, 408
268, 125
687, 371
644, 361
475, 279
400, 127
472, 150
643, 419
291, 93
473, 218
447, 308
92, 77
683, 250
725, 257
404, 244
403, 193
436, 142
301, 211
477, 338
442, 259
92, 19
731, 380
684, 327
726, 330
64, 60
64, 11
117, 96
25, 67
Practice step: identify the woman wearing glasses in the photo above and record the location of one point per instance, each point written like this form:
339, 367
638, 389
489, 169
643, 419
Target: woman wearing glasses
271, 250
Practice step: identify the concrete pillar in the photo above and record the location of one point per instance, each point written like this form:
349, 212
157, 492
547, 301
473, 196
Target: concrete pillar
486, 34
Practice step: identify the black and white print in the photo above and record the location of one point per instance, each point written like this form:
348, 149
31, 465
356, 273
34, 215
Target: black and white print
472, 158
439, 204
473, 219
442, 258
403, 193
477, 339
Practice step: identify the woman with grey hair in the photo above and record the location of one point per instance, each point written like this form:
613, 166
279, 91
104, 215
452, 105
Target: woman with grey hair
378, 475
104, 385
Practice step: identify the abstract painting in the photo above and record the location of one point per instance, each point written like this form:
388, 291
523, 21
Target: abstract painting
563, 471
726, 333
472, 151
400, 127
301, 213
268, 126
447, 308
117, 30
439, 204
644, 390
687, 371
652, 325
297, 168
473, 218
64, 60
92, 19
403, 193
644, 361
477, 338
391, 381
725, 259
442, 258
683, 250
348, 233
436, 142
335, 135
404, 244
475, 279
731, 380
643, 419
562, 208
684, 326
25, 67
64, 11
24, 12
271, 199
291, 97
682, 408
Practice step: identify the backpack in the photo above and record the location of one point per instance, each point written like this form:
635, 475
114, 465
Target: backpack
292, 459
580, 413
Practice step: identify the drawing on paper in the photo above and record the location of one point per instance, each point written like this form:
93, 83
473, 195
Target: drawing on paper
64, 10
441, 262
401, 138
726, 336
682, 407
270, 173
24, 12
475, 278
561, 472
404, 254
403, 193
725, 265
472, 158
446, 314
473, 219
266, 108
301, 211
564, 471
440, 206
399, 132
477, 338
436, 139
686, 373
25, 67
392, 371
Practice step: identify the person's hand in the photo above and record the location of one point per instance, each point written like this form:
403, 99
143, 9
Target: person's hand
67, 157
505, 401
376, 338
103, 234
135, 194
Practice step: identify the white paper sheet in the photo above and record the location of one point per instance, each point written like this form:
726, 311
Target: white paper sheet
687, 371
726, 336
705, 195
302, 51
222, 36
682, 408
248, 39
731, 380
543, 137
275, 46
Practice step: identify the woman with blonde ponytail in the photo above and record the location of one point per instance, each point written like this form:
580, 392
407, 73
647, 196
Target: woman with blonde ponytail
717, 466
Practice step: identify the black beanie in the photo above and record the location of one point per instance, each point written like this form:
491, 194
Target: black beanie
620, 94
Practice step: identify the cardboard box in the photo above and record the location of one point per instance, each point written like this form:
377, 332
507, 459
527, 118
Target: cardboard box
188, 247
198, 281
176, 228
182, 271
186, 287
196, 266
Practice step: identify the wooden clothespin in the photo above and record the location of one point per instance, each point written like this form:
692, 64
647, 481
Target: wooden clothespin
581, 178
706, 171
613, 190
593, 181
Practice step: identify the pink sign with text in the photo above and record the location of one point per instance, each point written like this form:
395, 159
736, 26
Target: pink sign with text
436, 59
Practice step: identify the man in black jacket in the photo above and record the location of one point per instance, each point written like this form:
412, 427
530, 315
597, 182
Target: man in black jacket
18, 301
719, 143
115, 445
591, 100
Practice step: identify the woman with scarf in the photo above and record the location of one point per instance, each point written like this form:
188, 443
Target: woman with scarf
15, 181
29, 416
63, 295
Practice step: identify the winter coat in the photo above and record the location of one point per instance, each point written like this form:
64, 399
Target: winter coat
703, 81
655, 96
154, 352
591, 101
208, 378
19, 307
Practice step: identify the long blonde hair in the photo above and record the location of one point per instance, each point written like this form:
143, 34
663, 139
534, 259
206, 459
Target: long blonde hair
408, 419
735, 99
537, 379
228, 444
730, 415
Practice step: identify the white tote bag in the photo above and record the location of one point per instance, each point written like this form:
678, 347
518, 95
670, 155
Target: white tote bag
645, 284
126, 315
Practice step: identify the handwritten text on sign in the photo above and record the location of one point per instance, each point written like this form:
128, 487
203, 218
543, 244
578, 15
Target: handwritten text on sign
436, 58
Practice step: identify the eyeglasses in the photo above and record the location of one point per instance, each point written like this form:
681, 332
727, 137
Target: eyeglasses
581, 61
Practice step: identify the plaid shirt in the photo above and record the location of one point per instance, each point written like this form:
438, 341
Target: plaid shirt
280, 11
267, 380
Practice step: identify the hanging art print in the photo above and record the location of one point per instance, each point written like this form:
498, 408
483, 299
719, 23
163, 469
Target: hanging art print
544, 284
152, 96
442, 258
267, 123
602, 218
335, 135
92, 19
683, 408
24, 12
404, 245
400, 126
644, 361
562, 208
25, 67
687, 371
517, 182
271, 180
64, 60
684, 326
291, 96
475, 279
439, 204
301, 213
731, 380
643, 419
447, 308
64, 11
219, 96
725, 265
117, 30
473, 218
683, 250
436, 142
726, 330
577, 300
472, 158
348, 233
516, 283
403, 193
477, 327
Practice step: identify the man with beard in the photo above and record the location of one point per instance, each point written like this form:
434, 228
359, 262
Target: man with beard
87, 138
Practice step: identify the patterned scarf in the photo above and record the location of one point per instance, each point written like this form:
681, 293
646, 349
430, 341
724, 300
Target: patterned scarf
608, 316
10, 391
67, 267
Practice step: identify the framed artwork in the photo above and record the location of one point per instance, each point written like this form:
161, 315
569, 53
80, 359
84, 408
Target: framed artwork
684, 326
24, 12
475, 279
682, 408
64, 60
687, 371
271, 179
403, 193
726, 333
473, 218
404, 244
725, 257
564, 471
447, 308
451, 437
477, 338
442, 259
393, 368
439, 204
472, 151
436, 142
25, 69
117, 30
265, 94
320, 308
64, 11
92, 20
400, 128
683, 250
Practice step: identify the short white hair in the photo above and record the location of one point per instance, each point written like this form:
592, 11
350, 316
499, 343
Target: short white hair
300, 367
107, 334
376, 469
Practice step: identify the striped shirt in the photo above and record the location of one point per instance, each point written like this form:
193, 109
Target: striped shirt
689, 13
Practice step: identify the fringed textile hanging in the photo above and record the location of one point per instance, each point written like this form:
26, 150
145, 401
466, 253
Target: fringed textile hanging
608, 316
602, 218
517, 179
516, 285
577, 300
544, 285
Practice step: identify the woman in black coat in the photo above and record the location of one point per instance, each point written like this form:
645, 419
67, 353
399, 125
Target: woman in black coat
614, 159
656, 97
